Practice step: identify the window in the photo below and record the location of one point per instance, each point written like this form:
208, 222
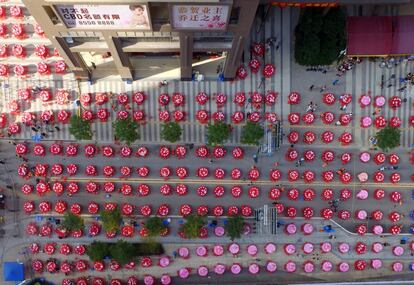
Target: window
234, 15
52, 15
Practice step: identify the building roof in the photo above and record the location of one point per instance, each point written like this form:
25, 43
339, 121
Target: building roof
380, 35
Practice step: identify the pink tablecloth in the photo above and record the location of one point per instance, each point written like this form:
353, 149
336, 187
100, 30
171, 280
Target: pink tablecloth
252, 249
270, 248
343, 267
326, 247
219, 231
343, 247
376, 263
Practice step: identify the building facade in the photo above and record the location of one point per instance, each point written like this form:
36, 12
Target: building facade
123, 29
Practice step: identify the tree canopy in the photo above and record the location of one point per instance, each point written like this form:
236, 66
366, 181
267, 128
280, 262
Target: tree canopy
234, 227
192, 226
252, 133
217, 133
111, 220
72, 222
123, 252
97, 250
126, 130
154, 226
171, 131
388, 138
319, 37
80, 129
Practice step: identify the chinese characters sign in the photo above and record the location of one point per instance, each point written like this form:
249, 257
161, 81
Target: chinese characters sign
200, 17
305, 4
105, 16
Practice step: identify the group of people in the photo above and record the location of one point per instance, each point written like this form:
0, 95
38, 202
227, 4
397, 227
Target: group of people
311, 107
347, 64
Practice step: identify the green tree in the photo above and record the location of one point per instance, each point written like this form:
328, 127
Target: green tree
123, 252
72, 222
320, 37
171, 131
218, 133
388, 138
192, 226
234, 227
97, 250
80, 129
154, 226
149, 247
126, 130
252, 133
111, 220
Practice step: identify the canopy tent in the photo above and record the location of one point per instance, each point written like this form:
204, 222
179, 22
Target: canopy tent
13, 271
380, 35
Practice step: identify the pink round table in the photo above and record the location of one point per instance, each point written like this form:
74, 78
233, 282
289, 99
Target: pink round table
362, 194
377, 247
362, 214
184, 273
377, 229
326, 247
290, 266
235, 268
252, 249
307, 248
291, 229
365, 100
376, 263
165, 279
366, 122
343, 247
379, 101
183, 252
290, 249
234, 248
397, 266
362, 177
219, 231
271, 266
201, 251
398, 250
202, 271
308, 267
254, 268
270, 248
219, 268
307, 229
218, 250
164, 261
343, 267
326, 266
365, 157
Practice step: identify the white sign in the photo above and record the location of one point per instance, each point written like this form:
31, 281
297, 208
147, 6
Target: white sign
200, 17
105, 16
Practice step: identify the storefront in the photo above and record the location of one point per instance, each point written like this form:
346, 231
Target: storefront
122, 31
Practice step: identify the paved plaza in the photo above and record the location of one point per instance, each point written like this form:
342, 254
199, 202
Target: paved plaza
364, 78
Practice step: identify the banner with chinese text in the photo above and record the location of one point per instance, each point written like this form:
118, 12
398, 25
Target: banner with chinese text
105, 16
200, 17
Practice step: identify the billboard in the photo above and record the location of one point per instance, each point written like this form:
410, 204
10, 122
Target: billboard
200, 17
105, 16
